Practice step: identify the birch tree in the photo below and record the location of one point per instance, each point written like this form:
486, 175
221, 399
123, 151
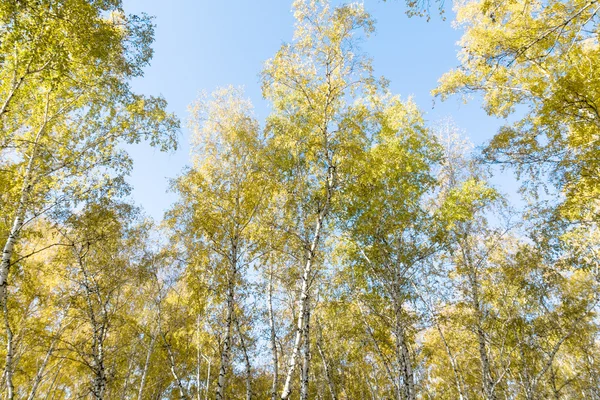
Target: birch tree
66, 107
222, 195
308, 82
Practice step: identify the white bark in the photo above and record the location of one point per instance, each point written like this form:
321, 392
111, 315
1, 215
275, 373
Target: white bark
458, 380
172, 364
486, 370
18, 221
221, 382
99, 325
273, 338
246, 361
305, 357
8, 251
41, 370
473, 288
198, 358
293, 361
15, 87
405, 370
132, 360
453, 363
207, 388
384, 360
146, 365
8, 368
328, 376
305, 285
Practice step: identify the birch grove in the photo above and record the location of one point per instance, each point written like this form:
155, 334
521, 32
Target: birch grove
339, 245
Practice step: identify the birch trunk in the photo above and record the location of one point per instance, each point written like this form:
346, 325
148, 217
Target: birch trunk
458, 380
246, 361
408, 373
146, 365
488, 384
273, 338
207, 381
305, 356
100, 372
198, 357
50, 389
40, 372
384, 360
98, 324
405, 373
16, 85
455, 368
293, 361
328, 376
305, 285
8, 368
486, 371
132, 360
99, 385
7, 254
8, 250
226, 344
182, 393
17, 225
473, 289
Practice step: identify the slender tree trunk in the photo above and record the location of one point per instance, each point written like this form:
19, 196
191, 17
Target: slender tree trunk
7, 254
328, 376
207, 381
293, 360
486, 370
198, 358
305, 356
405, 373
273, 338
384, 360
474, 287
8, 368
182, 393
246, 361
129, 371
18, 221
305, 286
458, 380
98, 325
455, 368
488, 384
8, 250
40, 372
15, 87
99, 385
50, 389
146, 366
221, 382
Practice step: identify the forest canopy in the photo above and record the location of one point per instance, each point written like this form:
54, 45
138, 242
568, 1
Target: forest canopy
341, 247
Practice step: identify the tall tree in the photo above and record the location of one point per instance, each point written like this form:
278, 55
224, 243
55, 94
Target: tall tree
65, 107
389, 228
312, 132
222, 196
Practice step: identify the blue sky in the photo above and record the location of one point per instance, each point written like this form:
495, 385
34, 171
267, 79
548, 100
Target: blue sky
202, 45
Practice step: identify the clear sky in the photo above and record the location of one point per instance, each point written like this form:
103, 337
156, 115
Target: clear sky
202, 45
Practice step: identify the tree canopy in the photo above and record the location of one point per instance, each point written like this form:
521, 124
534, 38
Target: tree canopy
341, 247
